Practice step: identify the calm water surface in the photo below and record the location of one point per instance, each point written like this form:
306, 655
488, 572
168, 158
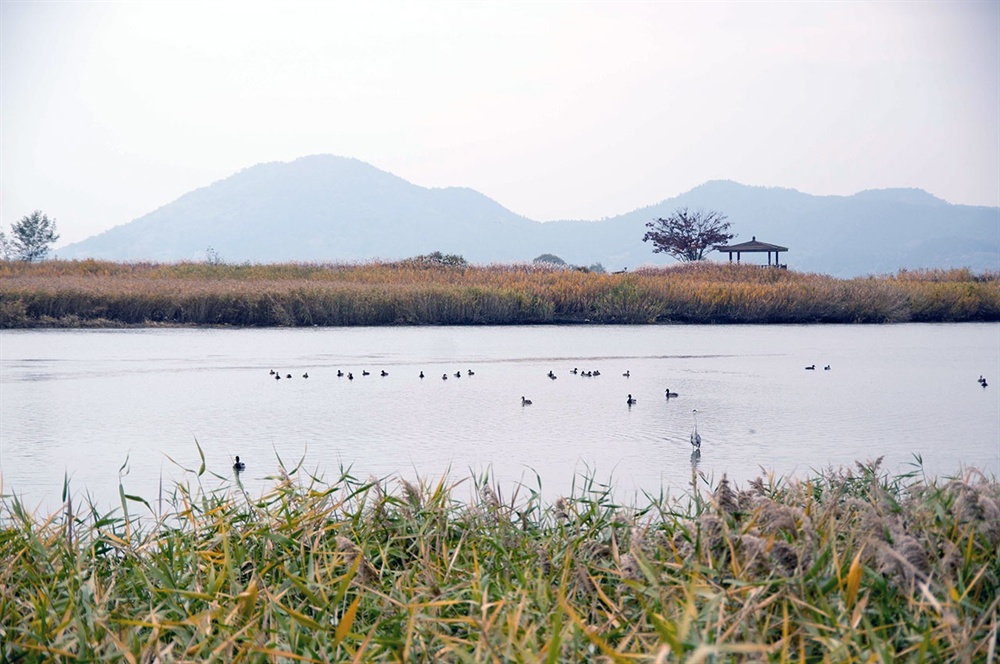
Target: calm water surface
84, 403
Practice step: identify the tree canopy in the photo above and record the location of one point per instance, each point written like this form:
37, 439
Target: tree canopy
549, 258
688, 236
31, 237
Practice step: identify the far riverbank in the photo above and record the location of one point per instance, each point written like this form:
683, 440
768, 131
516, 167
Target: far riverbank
108, 294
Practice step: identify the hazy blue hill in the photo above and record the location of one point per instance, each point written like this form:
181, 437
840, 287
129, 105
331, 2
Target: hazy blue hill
872, 232
328, 208
319, 208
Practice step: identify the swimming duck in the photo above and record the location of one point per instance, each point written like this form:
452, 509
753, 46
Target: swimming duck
826, 368
421, 374
444, 376
627, 374
384, 373
365, 373
305, 375
340, 373
811, 367
350, 375
552, 375
471, 372
239, 466
458, 374
630, 400
288, 376
525, 402
668, 394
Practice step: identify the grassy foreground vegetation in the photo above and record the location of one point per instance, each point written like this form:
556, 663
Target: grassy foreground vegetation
95, 293
852, 565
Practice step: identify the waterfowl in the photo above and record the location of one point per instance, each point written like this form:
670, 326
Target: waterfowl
288, 376
444, 376
471, 372
596, 372
826, 368
695, 436
277, 376
525, 402
458, 374
983, 383
239, 466
552, 375
384, 373
421, 374
811, 367
305, 375
365, 373
350, 375
272, 373
630, 400
340, 373
668, 394
627, 374
573, 371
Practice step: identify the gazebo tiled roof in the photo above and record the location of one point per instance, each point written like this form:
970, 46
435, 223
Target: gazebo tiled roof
753, 246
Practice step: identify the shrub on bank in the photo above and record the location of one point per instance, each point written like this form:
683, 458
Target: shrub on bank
848, 565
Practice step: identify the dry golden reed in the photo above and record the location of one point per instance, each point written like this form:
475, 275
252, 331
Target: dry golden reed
100, 293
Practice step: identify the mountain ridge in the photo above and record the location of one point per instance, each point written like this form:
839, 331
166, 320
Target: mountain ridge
327, 208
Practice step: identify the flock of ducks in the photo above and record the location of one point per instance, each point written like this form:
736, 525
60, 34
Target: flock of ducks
239, 466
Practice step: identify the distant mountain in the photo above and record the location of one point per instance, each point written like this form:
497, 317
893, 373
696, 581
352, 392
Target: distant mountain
328, 208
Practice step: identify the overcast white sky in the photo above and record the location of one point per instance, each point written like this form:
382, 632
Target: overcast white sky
557, 110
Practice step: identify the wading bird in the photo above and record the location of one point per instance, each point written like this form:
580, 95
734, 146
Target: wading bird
695, 436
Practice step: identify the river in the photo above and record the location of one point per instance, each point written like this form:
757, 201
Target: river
103, 407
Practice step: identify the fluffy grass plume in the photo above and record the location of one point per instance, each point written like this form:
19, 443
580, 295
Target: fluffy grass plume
846, 566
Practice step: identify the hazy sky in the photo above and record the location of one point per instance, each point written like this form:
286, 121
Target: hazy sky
557, 110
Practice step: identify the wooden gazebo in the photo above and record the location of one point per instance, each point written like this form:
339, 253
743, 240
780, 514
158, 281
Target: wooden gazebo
754, 247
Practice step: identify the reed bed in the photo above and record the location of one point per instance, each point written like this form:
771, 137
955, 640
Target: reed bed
850, 565
97, 293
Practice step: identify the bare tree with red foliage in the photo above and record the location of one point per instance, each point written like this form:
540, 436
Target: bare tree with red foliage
688, 236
